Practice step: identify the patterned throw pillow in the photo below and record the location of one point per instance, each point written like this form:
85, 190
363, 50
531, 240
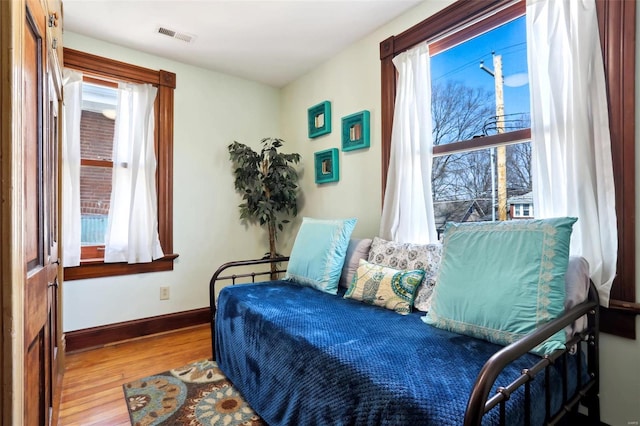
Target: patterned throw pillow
499, 281
385, 287
410, 256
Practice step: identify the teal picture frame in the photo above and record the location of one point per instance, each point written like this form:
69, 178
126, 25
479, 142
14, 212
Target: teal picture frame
355, 131
319, 119
327, 166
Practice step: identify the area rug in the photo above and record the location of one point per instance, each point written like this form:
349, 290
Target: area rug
196, 394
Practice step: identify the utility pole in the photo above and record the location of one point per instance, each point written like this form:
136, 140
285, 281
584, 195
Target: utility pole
501, 151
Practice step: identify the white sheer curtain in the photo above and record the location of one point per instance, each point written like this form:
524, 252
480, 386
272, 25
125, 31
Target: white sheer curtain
572, 167
71, 226
132, 230
407, 213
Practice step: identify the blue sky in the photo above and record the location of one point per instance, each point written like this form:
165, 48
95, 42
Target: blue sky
462, 63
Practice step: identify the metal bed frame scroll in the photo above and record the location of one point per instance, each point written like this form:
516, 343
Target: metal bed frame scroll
480, 402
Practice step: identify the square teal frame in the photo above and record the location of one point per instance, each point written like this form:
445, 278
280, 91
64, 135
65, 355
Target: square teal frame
348, 122
327, 166
315, 111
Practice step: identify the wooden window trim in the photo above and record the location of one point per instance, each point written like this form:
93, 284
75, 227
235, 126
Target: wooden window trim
96, 163
499, 16
102, 68
617, 25
517, 136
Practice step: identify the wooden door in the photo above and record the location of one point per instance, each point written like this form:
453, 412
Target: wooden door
40, 219
52, 208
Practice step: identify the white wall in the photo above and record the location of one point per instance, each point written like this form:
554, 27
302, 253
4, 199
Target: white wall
351, 81
211, 111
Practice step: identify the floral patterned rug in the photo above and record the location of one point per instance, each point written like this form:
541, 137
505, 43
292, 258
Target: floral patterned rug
196, 394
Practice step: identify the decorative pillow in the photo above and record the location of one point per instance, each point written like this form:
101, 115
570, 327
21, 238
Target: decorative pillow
358, 249
410, 256
318, 253
383, 286
499, 281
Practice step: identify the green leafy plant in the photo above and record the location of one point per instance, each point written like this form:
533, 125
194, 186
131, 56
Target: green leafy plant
268, 183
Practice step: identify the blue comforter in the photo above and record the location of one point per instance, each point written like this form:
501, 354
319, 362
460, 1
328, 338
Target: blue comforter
303, 357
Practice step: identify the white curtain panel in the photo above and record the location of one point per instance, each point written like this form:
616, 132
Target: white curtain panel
571, 166
72, 113
407, 213
132, 230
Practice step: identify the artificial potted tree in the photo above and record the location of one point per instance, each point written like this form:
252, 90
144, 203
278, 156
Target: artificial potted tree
268, 184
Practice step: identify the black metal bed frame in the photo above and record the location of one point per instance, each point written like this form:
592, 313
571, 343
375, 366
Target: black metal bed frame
480, 402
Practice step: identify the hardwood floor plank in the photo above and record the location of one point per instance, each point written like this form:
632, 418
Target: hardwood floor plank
92, 392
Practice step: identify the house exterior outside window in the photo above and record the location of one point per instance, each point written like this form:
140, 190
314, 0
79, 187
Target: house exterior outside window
521, 206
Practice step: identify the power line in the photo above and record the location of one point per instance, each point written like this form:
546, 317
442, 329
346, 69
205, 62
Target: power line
474, 62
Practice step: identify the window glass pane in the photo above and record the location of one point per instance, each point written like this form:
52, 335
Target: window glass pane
465, 185
480, 88
464, 100
97, 126
98, 121
95, 196
519, 169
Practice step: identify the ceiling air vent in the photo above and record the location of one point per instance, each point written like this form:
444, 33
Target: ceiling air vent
175, 34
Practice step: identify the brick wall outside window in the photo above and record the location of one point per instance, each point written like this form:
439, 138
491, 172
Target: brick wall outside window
96, 142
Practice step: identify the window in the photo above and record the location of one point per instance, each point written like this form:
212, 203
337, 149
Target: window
96, 149
100, 79
521, 211
464, 20
517, 210
480, 88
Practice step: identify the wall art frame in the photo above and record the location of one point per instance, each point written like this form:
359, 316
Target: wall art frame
319, 119
355, 131
327, 166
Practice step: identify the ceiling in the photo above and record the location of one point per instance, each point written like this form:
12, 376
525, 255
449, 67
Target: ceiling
273, 42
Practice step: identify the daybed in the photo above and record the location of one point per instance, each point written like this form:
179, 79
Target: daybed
301, 356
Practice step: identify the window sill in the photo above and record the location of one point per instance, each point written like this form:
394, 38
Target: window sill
624, 306
96, 268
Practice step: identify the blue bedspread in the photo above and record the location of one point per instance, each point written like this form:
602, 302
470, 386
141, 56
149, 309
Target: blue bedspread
303, 357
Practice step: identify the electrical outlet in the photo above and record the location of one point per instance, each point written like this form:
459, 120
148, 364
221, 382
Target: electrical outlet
164, 292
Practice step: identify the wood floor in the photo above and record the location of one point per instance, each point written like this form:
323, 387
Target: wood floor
92, 385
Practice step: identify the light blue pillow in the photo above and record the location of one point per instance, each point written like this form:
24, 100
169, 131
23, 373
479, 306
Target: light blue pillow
318, 253
499, 281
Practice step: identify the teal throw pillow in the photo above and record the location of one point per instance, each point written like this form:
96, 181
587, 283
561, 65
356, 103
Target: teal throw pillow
318, 253
499, 281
